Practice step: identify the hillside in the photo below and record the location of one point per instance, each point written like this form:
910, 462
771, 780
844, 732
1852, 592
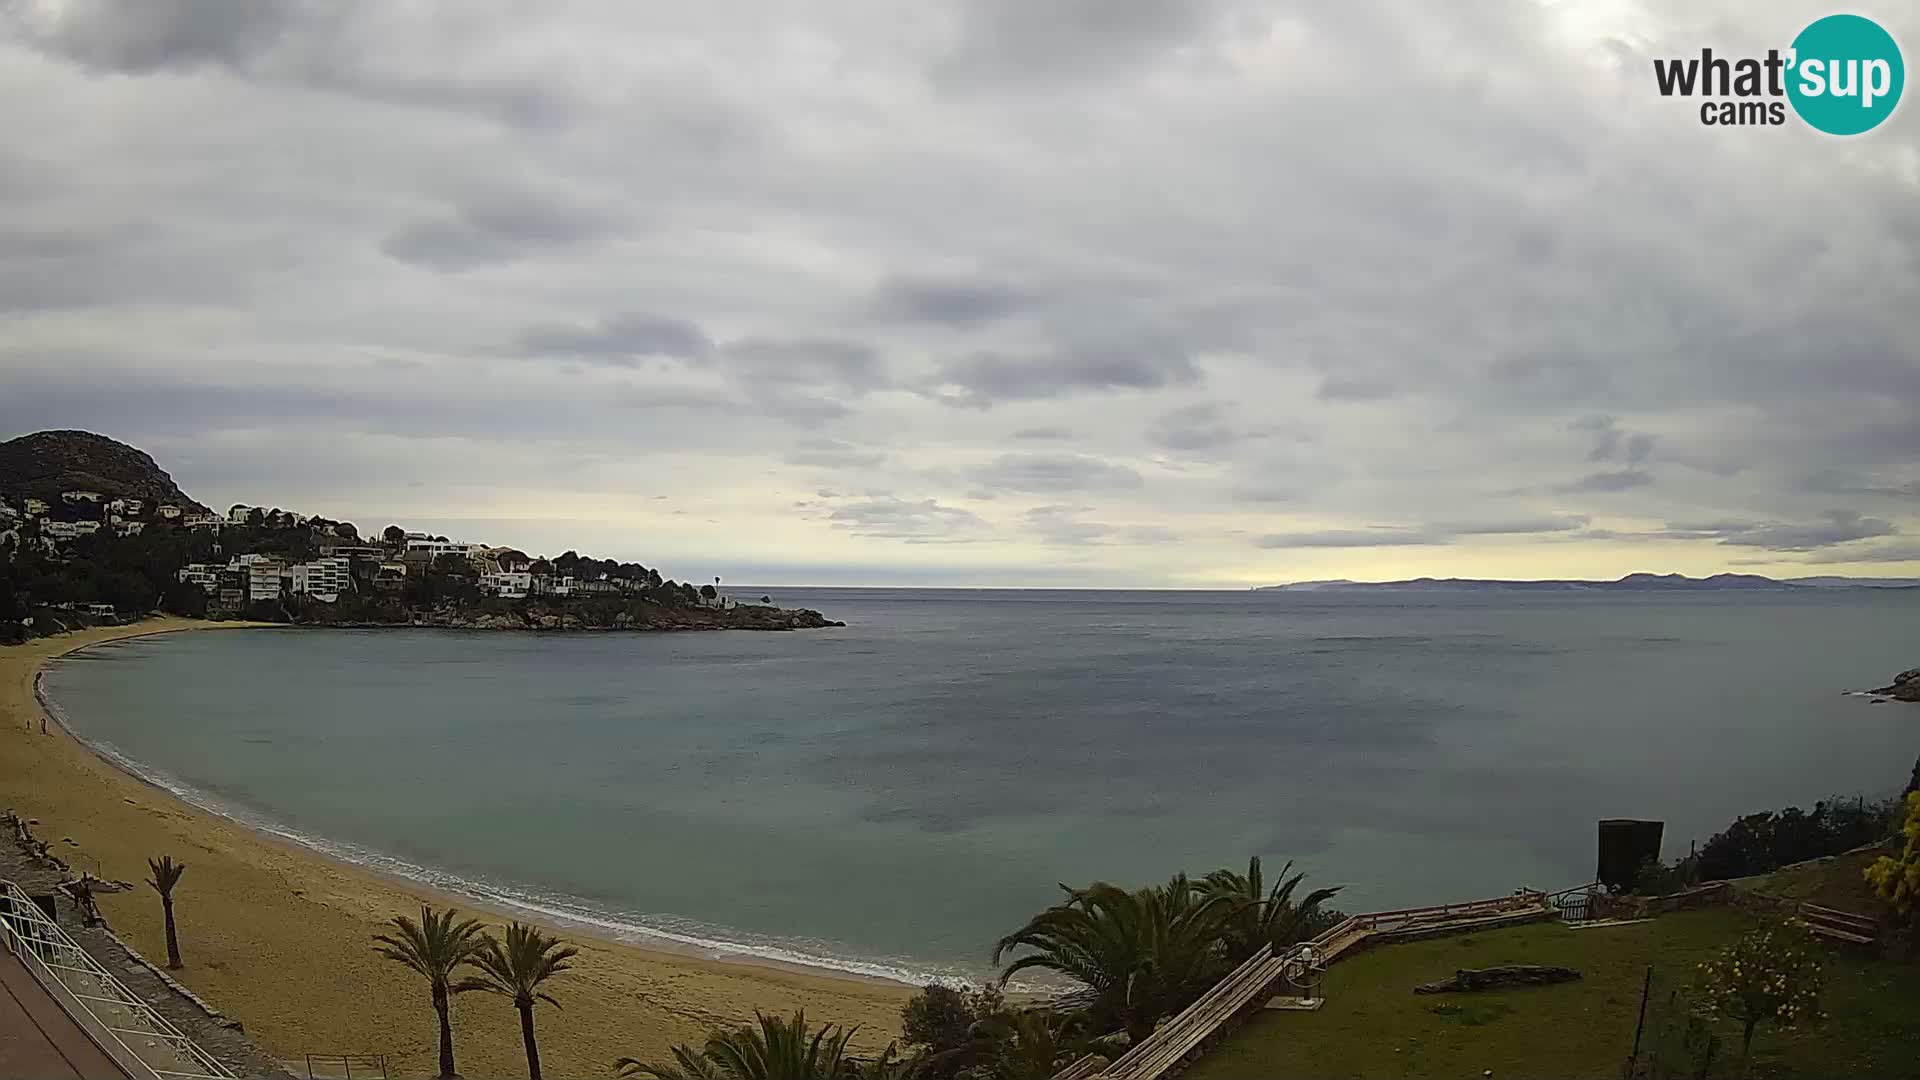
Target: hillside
46, 463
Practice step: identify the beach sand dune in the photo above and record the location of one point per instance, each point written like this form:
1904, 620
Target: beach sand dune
278, 935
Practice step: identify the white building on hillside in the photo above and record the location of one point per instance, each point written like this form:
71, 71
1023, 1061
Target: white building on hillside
68, 530
509, 584
167, 512
205, 575
323, 579
263, 580
433, 549
73, 497
34, 507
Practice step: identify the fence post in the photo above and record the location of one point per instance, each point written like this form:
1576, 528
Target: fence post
1646, 987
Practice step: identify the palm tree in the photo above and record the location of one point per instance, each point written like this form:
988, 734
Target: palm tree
516, 971
435, 946
777, 1049
166, 874
1271, 918
1139, 956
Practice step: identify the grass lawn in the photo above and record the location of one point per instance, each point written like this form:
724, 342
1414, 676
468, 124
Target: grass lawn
1373, 1025
1839, 882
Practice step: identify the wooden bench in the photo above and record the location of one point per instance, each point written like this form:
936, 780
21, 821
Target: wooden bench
1838, 925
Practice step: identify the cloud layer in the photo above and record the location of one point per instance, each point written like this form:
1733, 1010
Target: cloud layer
1130, 292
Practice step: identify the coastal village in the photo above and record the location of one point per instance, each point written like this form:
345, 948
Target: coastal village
344, 564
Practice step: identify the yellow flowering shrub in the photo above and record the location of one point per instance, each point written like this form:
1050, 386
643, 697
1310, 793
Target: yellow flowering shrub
1896, 878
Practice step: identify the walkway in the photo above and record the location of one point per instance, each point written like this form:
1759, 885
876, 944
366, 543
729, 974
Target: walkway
38, 1038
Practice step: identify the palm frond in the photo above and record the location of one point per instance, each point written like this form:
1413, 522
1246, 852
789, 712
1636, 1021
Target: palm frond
166, 874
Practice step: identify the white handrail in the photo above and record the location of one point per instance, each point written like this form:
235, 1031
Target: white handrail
75, 980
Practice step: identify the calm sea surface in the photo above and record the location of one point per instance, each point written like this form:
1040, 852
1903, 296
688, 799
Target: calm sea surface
892, 796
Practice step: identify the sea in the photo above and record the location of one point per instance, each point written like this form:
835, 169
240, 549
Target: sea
889, 798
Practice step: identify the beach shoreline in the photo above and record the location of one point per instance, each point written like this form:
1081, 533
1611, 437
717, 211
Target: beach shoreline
277, 932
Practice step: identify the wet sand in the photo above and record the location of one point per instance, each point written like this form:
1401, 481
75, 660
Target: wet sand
278, 935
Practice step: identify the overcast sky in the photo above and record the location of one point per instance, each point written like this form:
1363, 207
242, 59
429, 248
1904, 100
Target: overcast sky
1074, 292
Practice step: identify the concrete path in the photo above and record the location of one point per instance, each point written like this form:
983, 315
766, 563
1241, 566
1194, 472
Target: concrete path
37, 1037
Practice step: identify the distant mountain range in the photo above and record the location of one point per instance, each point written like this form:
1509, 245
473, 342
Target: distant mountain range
1630, 583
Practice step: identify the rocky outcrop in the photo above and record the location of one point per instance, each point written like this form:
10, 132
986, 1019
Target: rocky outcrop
1495, 978
1905, 686
556, 618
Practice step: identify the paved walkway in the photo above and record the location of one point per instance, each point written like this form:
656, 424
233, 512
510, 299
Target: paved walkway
38, 1039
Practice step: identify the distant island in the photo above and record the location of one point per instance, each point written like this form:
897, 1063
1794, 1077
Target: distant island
93, 530
1629, 583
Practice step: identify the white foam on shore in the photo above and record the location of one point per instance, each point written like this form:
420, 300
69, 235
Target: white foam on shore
667, 932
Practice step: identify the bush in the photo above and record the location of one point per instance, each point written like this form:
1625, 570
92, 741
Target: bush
940, 1020
1763, 842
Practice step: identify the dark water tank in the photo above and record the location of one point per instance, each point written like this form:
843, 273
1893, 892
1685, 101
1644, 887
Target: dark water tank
1624, 845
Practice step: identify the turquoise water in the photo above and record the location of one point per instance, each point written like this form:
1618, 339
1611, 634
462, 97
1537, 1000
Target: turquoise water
892, 796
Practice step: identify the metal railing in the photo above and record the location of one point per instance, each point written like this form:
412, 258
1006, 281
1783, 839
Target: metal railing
130, 1031
341, 1066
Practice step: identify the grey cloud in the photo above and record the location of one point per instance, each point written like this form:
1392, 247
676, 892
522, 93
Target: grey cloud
368, 51
951, 301
140, 36
1039, 434
1832, 528
493, 228
1009, 42
1063, 526
1350, 538
1611, 442
1904, 551
984, 378
834, 362
888, 517
1836, 527
1851, 482
1420, 535
1513, 526
833, 454
1044, 473
1195, 429
1615, 480
620, 339
1068, 526
1354, 388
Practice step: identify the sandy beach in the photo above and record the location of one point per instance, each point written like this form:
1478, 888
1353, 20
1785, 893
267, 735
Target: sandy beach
278, 935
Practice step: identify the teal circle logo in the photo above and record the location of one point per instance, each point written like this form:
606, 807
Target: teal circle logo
1846, 74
